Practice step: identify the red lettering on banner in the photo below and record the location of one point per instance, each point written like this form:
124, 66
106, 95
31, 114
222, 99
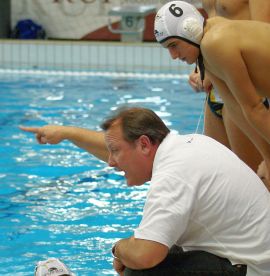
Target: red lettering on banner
84, 1
57, 1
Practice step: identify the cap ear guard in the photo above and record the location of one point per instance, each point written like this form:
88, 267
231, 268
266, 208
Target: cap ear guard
191, 28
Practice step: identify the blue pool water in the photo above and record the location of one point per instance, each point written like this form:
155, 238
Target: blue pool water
58, 201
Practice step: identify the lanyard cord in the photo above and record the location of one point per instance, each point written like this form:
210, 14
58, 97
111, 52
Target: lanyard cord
199, 121
200, 64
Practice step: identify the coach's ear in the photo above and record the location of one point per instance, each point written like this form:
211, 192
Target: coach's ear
145, 144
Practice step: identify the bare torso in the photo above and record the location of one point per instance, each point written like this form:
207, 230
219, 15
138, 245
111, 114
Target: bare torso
232, 9
251, 40
255, 54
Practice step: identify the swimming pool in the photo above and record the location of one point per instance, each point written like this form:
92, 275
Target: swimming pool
58, 201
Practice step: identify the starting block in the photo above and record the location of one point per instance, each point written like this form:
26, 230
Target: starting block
132, 23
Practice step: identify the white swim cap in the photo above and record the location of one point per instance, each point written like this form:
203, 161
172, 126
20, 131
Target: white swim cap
52, 266
178, 19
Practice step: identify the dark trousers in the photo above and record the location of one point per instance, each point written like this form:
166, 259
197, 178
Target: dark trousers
191, 263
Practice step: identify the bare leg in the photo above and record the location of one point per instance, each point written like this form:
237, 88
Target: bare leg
236, 115
226, 132
240, 143
214, 127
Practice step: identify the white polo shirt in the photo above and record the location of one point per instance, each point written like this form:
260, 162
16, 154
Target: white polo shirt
203, 197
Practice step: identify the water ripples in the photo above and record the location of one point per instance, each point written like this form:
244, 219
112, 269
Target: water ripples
58, 201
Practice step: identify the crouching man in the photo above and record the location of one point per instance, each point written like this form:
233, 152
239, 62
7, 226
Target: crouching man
206, 212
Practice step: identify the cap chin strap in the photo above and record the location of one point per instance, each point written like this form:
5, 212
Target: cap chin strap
200, 64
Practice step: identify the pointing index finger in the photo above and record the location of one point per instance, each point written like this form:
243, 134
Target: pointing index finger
30, 129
